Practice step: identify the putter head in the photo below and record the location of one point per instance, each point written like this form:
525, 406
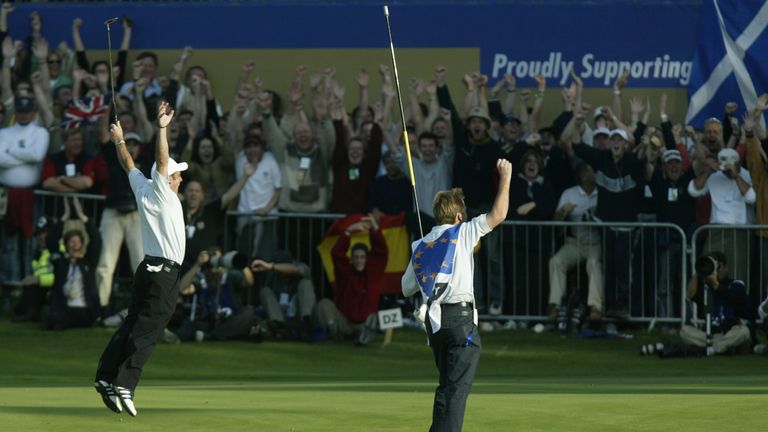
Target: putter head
111, 20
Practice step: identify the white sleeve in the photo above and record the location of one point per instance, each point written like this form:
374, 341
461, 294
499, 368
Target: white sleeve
471, 232
161, 189
750, 197
563, 199
761, 309
35, 151
277, 177
694, 192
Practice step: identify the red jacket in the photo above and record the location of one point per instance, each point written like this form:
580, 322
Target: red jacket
357, 293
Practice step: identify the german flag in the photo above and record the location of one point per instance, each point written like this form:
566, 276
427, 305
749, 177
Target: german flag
398, 246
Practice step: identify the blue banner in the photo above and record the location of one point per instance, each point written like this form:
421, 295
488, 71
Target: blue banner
730, 64
654, 40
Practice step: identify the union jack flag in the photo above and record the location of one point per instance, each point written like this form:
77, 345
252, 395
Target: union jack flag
85, 111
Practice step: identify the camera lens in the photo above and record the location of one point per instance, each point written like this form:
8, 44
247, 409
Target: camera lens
705, 265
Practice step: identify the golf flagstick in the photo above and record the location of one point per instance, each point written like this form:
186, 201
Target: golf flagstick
111, 65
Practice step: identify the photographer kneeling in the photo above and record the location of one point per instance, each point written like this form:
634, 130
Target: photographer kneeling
220, 282
732, 315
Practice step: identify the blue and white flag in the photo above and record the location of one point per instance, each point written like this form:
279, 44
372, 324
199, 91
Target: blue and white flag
433, 263
731, 62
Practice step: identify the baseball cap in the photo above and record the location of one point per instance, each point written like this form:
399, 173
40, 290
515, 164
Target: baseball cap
601, 131
173, 166
671, 155
619, 132
24, 104
598, 112
509, 118
728, 156
133, 136
478, 112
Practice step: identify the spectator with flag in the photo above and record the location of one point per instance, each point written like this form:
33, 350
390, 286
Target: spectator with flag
358, 283
441, 269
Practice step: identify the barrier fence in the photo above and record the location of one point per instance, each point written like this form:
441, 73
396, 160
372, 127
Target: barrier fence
637, 269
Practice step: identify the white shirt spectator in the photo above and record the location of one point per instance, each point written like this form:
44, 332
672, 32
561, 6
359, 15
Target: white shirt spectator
22, 150
585, 206
260, 187
162, 220
729, 206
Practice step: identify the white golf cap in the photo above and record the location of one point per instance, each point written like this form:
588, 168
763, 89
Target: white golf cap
173, 166
621, 133
601, 131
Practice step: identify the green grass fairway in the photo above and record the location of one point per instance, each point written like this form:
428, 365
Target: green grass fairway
525, 382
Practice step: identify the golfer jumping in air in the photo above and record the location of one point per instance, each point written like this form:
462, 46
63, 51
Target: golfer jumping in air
442, 268
156, 282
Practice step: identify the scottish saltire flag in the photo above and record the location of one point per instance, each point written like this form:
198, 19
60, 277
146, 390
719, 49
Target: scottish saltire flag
731, 58
85, 111
433, 262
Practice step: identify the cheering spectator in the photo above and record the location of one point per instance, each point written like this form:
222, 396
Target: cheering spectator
577, 204
358, 279
120, 218
304, 162
259, 196
23, 147
474, 165
620, 174
730, 187
74, 297
531, 198
391, 193
355, 163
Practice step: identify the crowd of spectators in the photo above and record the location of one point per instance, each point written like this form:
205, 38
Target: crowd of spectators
273, 152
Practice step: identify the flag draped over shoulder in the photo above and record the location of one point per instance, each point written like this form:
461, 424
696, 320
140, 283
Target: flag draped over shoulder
433, 262
730, 62
398, 247
85, 111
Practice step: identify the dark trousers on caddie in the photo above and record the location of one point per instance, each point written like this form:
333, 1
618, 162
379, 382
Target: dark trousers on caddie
456, 347
155, 291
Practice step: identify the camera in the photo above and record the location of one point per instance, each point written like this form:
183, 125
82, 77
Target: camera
231, 260
706, 265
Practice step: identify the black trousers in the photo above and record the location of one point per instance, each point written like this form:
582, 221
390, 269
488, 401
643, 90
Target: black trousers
152, 304
456, 347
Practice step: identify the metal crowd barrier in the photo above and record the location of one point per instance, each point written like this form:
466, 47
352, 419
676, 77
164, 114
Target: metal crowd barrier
298, 233
52, 203
648, 259
513, 263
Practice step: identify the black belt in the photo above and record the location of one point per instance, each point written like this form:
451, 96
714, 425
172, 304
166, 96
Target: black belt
166, 261
459, 305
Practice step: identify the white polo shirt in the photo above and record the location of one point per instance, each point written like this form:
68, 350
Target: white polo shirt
459, 283
22, 150
584, 204
162, 220
729, 206
260, 187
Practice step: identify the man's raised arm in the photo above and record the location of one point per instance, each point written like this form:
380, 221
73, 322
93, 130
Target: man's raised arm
501, 204
125, 159
164, 116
